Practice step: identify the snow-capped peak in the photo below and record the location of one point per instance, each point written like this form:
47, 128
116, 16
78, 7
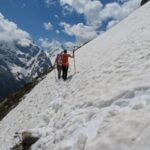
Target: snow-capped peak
25, 42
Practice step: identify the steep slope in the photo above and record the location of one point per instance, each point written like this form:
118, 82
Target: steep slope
105, 105
20, 62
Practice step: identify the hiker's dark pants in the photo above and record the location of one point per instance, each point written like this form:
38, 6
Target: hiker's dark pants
59, 69
65, 72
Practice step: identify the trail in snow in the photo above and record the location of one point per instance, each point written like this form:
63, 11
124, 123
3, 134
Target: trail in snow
104, 106
64, 124
76, 121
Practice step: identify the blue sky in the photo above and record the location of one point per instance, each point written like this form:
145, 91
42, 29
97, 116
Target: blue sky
30, 15
66, 21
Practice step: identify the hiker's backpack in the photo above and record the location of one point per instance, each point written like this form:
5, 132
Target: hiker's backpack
65, 59
59, 60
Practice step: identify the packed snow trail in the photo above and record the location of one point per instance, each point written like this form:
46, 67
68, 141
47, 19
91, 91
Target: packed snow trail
106, 105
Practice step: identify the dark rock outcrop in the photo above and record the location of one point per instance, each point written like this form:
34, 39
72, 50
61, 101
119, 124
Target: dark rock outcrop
144, 2
27, 141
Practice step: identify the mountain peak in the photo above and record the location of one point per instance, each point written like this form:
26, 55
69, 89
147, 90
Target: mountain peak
21, 61
25, 42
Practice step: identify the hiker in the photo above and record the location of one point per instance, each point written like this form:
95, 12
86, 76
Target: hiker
65, 63
58, 63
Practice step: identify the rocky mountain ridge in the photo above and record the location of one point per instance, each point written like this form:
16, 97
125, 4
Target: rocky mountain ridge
20, 62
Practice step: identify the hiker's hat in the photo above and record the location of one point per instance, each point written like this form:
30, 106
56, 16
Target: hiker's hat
65, 51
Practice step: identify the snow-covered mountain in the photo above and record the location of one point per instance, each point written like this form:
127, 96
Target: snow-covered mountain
20, 62
53, 51
104, 106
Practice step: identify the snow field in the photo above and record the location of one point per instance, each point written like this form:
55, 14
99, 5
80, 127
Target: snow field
104, 106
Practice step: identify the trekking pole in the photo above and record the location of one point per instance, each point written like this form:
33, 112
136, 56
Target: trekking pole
69, 69
74, 62
55, 72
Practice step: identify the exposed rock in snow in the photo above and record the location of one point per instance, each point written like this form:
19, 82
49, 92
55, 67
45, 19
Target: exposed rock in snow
144, 2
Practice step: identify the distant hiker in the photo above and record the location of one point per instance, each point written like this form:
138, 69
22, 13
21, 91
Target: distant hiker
58, 63
65, 63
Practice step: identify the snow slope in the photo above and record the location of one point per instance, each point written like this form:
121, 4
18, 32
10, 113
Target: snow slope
104, 106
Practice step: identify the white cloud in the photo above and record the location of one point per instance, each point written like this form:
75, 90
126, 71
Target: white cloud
111, 10
95, 14
48, 26
121, 1
69, 2
56, 16
118, 12
25, 42
89, 8
67, 10
83, 33
10, 32
69, 44
49, 45
57, 31
50, 2
112, 23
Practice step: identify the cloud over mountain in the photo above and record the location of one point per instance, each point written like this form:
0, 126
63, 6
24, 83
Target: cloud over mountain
9, 31
48, 26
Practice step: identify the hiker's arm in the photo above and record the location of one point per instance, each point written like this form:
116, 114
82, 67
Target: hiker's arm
72, 56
